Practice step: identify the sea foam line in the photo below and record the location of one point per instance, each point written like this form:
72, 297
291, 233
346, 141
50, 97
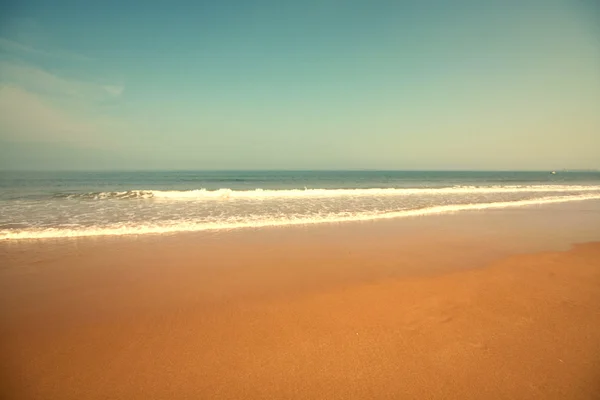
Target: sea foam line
220, 194
50, 233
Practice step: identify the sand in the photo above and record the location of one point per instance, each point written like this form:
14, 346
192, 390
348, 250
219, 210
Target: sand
316, 314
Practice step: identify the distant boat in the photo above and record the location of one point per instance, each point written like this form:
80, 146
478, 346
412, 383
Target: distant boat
553, 172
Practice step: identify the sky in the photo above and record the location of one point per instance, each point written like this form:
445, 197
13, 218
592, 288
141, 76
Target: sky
329, 84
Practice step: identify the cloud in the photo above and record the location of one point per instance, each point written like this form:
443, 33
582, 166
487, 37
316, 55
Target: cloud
38, 80
115, 91
43, 105
30, 117
24, 30
19, 48
16, 47
26, 54
25, 116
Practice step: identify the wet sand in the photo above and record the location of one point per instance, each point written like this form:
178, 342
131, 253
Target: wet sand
493, 305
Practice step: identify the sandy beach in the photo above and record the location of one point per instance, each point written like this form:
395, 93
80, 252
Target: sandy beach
499, 305
329, 200
298, 200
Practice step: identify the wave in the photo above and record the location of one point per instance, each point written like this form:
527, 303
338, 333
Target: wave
220, 194
192, 226
128, 194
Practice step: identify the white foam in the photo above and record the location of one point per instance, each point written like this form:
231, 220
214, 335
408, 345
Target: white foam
258, 194
187, 226
309, 193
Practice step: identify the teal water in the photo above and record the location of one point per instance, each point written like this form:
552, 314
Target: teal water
63, 204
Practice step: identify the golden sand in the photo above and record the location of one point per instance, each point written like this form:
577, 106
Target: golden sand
310, 319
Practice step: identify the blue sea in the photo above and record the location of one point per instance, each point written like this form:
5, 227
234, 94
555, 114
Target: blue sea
38, 205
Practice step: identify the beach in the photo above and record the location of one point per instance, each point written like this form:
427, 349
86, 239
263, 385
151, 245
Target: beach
497, 304
325, 200
328, 200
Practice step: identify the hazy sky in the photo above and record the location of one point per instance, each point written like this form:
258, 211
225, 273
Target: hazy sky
327, 84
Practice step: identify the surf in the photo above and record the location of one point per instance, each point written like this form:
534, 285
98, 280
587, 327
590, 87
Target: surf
180, 226
227, 193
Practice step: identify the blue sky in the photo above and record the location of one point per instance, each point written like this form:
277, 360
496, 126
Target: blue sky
325, 84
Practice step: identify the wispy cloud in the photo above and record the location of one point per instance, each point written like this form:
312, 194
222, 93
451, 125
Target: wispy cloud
39, 103
26, 116
25, 58
14, 47
30, 117
42, 82
115, 91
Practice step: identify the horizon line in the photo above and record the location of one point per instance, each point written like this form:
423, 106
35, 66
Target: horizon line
304, 170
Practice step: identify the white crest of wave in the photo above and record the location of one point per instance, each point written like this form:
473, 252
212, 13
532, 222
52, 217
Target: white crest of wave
187, 226
308, 193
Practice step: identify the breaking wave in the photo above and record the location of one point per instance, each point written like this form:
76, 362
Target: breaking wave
220, 194
273, 220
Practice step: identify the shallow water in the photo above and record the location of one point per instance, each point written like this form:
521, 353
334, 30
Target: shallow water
67, 204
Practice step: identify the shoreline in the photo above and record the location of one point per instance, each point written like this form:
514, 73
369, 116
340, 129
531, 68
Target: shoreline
285, 223
523, 229
470, 305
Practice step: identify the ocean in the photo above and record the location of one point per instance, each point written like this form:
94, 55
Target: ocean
38, 205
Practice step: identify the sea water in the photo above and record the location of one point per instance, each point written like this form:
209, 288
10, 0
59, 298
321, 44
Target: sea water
37, 205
